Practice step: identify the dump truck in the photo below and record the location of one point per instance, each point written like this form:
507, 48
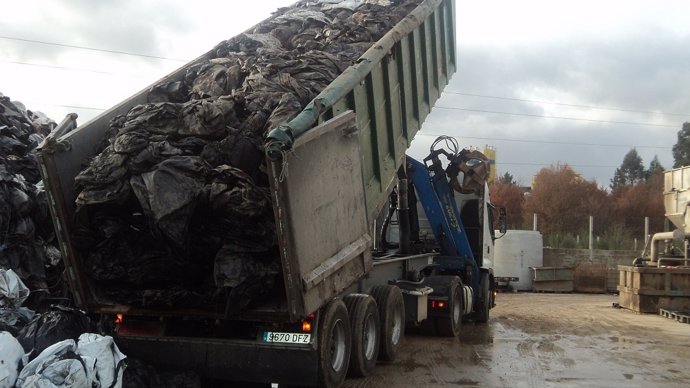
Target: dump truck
338, 177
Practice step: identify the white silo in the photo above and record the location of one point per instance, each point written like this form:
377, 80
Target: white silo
515, 253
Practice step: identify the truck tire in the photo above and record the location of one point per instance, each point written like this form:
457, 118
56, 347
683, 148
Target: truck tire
365, 326
484, 305
392, 316
450, 326
334, 341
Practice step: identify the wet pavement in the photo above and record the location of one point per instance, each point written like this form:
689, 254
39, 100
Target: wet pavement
546, 340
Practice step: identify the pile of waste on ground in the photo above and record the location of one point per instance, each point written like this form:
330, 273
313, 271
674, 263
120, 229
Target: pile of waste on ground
175, 208
47, 349
27, 237
59, 349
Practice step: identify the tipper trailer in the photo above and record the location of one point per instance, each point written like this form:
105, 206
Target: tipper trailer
334, 169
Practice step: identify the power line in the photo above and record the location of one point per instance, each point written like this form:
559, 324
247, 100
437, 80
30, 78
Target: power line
72, 69
548, 142
92, 49
557, 117
548, 164
63, 106
565, 104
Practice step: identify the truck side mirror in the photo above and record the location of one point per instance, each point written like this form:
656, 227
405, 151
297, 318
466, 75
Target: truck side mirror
502, 219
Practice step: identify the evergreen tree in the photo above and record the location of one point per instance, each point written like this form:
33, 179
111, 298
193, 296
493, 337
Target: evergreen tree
681, 150
630, 172
655, 167
507, 178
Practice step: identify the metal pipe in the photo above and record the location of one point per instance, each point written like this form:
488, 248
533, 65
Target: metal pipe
403, 217
664, 236
395, 259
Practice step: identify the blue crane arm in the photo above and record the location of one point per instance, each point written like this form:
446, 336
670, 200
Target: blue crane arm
436, 195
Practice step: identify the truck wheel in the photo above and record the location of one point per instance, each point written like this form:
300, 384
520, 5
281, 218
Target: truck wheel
392, 317
364, 323
484, 305
450, 326
335, 339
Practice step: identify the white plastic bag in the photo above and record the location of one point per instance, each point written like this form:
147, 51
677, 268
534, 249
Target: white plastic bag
58, 366
12, 358
109, 365
13, 292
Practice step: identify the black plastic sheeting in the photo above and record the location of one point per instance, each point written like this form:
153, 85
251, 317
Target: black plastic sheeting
27, 237
55, 325
175, 209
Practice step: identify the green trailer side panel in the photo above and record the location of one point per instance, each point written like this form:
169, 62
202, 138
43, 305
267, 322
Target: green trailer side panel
381, 106
391, 90
410, 121
404, 85
394, 115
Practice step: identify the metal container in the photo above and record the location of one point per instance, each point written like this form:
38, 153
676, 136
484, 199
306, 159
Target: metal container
677, 197
590, 277
552, 279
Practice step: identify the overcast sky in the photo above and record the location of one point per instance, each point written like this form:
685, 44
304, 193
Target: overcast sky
544, 82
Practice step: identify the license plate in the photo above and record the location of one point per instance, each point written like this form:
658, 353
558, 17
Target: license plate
287, 338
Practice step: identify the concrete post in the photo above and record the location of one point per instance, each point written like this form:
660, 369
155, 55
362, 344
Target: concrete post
534, 223
591, 242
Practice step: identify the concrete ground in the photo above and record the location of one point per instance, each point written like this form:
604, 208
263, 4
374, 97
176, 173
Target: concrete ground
546, 340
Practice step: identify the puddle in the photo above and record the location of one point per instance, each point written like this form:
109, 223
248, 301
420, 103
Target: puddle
466, 383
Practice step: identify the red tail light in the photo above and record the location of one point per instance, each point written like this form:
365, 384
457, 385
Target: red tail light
438, 304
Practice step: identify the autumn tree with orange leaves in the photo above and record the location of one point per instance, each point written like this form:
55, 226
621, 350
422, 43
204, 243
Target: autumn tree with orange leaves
563, 201
506, 193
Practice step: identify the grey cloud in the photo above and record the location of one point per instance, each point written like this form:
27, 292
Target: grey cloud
639, 71
645, 70
128, 26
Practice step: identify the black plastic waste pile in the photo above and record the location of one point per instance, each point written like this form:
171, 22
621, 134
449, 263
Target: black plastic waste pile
27, 237
175, 210
53, 326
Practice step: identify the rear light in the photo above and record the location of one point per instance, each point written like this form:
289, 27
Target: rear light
438, 304
119, 318
306, 326
306, 323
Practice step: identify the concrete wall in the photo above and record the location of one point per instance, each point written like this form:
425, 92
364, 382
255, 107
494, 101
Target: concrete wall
598, 276
571, 257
